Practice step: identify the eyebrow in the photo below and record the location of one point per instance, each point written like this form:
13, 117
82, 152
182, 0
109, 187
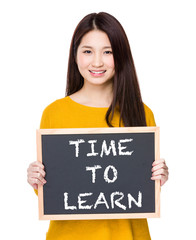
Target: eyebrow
92, 47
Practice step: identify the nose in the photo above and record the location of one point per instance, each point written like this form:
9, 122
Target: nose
97, 60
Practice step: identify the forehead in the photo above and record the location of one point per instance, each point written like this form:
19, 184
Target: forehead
95, 38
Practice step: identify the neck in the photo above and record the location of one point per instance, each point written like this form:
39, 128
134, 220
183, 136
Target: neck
94, 96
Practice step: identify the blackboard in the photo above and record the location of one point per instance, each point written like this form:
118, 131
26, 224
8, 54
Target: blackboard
98, 173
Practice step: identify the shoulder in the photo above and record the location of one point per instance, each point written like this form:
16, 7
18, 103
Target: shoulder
150, 121
56, 105
53, 112
147, 110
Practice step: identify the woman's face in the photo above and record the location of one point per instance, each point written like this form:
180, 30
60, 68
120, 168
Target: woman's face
95, 59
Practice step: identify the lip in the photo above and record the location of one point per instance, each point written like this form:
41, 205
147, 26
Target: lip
97, 73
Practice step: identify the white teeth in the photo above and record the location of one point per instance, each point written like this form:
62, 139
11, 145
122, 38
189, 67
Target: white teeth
97, 72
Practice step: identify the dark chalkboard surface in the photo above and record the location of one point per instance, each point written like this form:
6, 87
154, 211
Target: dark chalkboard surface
98, 173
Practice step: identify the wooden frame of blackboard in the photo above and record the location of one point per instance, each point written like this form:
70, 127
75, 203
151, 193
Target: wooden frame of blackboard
155, 214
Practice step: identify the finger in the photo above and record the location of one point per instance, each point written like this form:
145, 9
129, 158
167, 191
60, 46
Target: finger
37, 175
36, 170
160, 172
37, 164
156, 162
159, 166
156, 177
34, 181
163, 179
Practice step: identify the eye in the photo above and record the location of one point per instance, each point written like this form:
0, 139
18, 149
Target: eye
87, 51
108, 52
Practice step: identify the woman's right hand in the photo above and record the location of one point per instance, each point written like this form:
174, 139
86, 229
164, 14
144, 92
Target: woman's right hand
36, 174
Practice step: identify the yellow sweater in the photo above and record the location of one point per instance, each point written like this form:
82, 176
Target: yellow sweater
66, 113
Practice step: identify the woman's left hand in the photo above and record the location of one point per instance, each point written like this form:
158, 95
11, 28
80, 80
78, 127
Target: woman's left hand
160, 171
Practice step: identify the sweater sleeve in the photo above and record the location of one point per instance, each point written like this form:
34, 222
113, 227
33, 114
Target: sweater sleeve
150, 121
45, 123
45, 120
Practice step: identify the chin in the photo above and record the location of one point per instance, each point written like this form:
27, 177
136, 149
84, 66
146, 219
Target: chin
99, 82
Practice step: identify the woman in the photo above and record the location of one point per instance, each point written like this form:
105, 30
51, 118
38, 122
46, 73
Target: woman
102, 91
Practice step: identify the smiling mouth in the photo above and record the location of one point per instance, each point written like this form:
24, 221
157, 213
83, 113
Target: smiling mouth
97, 72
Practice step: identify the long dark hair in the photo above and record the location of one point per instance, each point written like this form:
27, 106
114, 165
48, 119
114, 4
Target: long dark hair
126, 91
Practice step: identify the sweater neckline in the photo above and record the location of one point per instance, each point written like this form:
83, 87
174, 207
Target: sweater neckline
85, 106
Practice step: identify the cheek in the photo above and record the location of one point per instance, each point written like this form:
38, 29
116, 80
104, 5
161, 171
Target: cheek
112, 66
82, 61
110, 62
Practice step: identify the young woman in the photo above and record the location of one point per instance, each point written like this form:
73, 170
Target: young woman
102, 91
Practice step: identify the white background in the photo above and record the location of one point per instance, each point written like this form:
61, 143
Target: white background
34, 45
